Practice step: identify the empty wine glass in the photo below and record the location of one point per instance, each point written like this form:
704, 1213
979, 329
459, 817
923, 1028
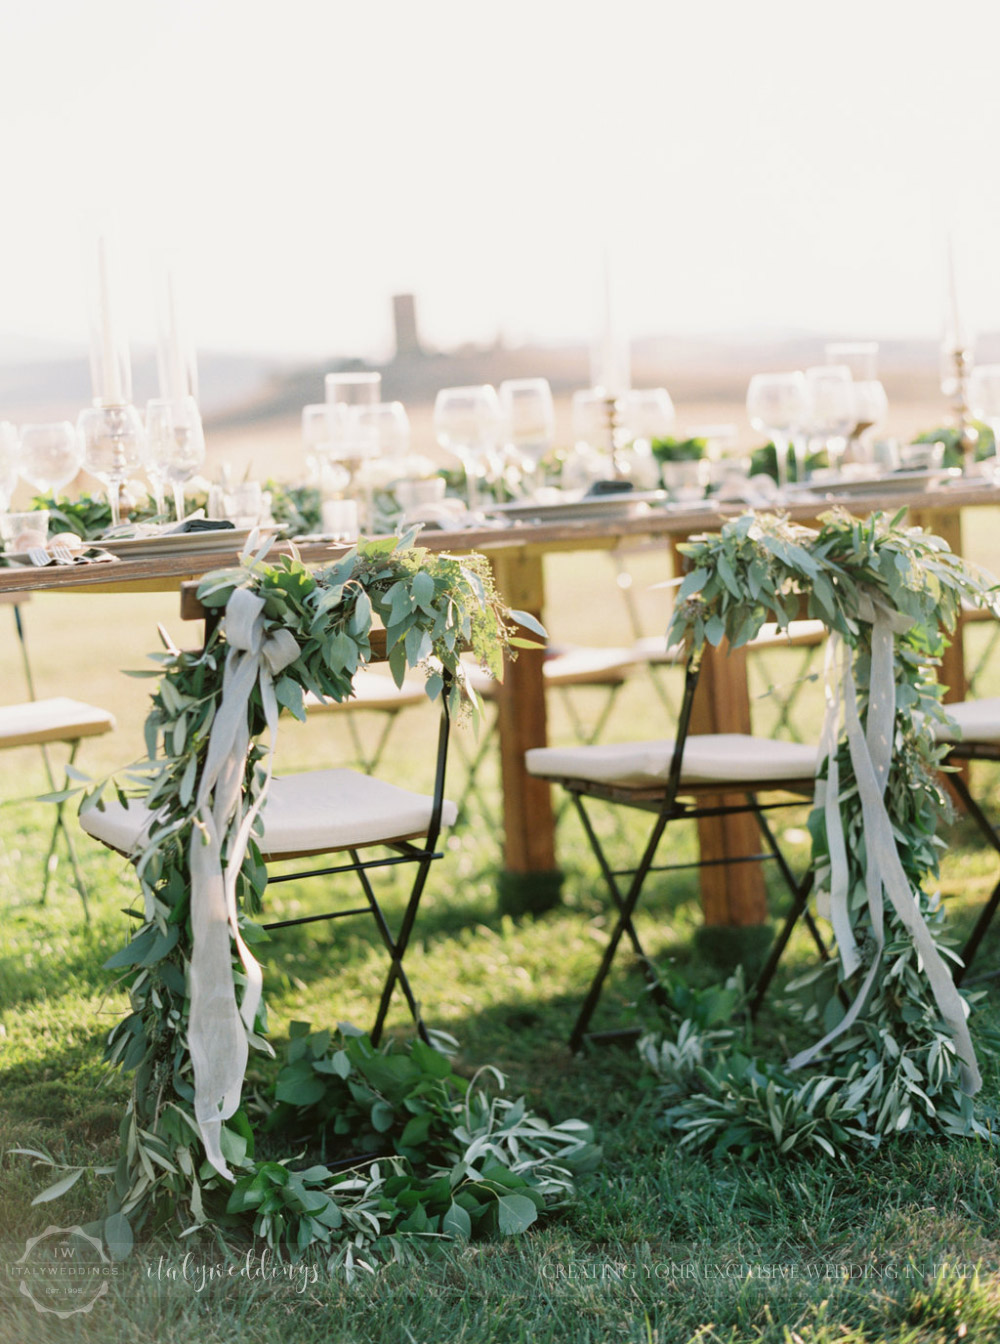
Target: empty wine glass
175, 443
353, 389
528, 421
387, 424
114, 446
648, 414
830, 413
10, 460
322, 440
871, 406
776, 406
984, 398
51, 455
467, 423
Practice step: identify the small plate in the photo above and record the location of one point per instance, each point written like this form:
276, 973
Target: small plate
168, 543
573, 509
899, 482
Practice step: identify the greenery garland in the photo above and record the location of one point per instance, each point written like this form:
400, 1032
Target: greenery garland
896, 1069
400, 1145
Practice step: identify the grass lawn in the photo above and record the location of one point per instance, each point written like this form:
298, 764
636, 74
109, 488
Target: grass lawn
660, 1246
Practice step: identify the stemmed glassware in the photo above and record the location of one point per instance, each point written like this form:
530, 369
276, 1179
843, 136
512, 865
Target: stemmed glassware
114, 447
467, 423
175, 443
871, 406
51, 455
10, 459
528, 420
776, 406
984, 398
323, 439
830, 412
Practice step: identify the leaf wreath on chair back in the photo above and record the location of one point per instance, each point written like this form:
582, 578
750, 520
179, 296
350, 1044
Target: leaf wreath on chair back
449, 1159
895, 1050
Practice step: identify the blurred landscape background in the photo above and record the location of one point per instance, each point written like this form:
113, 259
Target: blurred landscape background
252, 404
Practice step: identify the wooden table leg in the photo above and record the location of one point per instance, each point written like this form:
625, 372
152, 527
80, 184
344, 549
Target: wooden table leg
733, 895
532, 879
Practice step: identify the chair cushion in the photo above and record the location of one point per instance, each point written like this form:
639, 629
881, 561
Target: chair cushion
568, 666
978, 720
654, 649
797, 634
708, 759
317, 810
56, 720
372, 690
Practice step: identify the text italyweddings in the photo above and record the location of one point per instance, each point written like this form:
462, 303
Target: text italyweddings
264, 1268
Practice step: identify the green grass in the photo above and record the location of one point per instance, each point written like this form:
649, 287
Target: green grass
661, 1246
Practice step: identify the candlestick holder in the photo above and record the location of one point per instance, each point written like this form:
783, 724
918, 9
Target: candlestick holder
617, 436
959, 365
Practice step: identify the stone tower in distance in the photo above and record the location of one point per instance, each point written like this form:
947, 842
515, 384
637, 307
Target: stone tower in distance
404, 314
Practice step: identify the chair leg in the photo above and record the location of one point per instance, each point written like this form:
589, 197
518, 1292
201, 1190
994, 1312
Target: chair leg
623, 925
60, 825
396, 947
989, 910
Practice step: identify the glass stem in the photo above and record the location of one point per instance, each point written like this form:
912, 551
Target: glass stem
114, 501
781, 448
179, 500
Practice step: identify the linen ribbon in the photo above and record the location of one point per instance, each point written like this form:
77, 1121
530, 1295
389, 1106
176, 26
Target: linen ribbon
871, 757
217, 1026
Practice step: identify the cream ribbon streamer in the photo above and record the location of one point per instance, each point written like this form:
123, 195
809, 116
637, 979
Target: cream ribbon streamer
217, 1027
871, 757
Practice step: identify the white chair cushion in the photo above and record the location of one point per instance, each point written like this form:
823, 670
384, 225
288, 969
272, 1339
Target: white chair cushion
654, 649
708, 759
316, 810
568, 666
796, 634
372, 690
978, 720
56, 720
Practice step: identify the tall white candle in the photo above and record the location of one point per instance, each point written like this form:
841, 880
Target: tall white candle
954, 333
175, 361
111, 390
610, 356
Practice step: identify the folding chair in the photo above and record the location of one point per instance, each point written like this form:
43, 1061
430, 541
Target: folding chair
376, 693
336, 811
977, 739
669, 779
565, 668
39, 723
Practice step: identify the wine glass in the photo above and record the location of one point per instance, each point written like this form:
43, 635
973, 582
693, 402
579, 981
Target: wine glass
387, 425
830, 414
776, 406
871, 406
648, 415
175, 443
51, 455
10, 462
528, 421
467, 423
322, 439
114, 446
984, 398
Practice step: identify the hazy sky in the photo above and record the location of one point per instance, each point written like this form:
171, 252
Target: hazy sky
753, 163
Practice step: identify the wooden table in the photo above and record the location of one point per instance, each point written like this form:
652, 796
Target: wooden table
732, 896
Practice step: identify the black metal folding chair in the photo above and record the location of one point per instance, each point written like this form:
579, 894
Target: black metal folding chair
670, 780
320, 812
978, 739
43, 723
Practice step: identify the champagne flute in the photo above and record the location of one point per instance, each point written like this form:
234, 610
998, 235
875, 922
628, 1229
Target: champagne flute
10, 461
776, 406
175, 443
830, 410
467, 423
984, 398
51, 455
114, 446
528, 422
